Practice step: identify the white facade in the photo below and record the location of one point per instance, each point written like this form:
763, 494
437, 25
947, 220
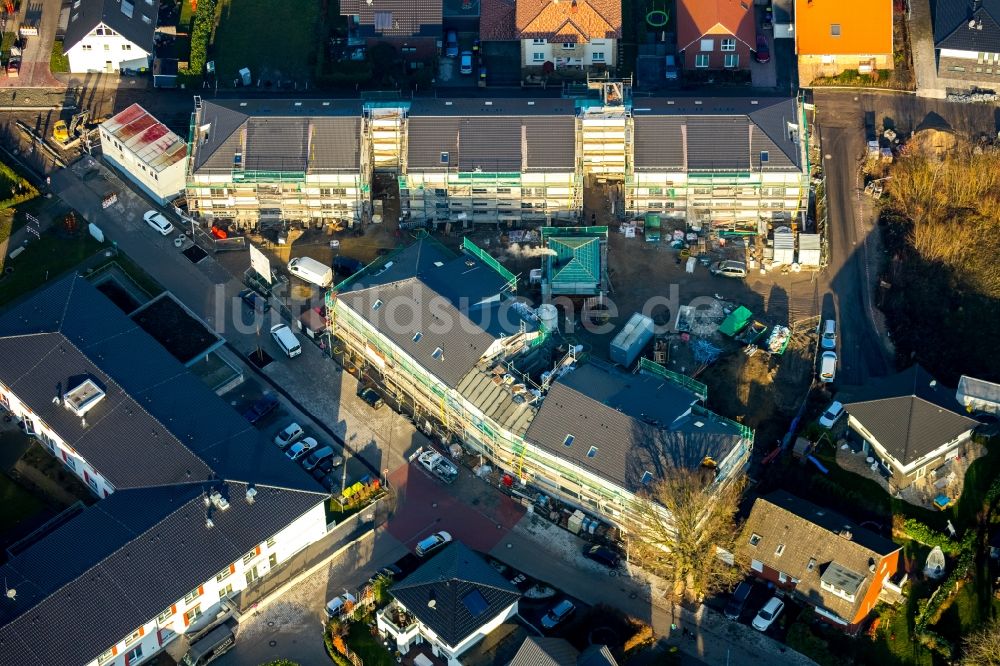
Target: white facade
200, 606
104, 50
148, 153
536, 52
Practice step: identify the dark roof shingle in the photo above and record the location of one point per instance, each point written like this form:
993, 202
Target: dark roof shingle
138, 28
967, 25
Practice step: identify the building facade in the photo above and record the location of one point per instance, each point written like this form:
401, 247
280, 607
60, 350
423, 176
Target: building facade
833, 36
111, 36
715, 34
148, 153
578, 34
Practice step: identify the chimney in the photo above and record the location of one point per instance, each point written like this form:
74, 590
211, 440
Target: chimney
573, 8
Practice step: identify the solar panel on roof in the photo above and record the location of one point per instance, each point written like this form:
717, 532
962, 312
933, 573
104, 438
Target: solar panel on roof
475, 603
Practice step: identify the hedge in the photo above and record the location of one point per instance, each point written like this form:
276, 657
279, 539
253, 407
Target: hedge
913, 529
28, 190
201, 34
337, 658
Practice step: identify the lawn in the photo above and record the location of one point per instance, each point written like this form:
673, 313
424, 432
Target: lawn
58, 62
277, 41
368, 647
44, 260
18, 504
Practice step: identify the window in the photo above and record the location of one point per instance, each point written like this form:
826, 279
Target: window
87, 47
134, 655
731, 60
256, 551
827, 59
569, 440
728, 44
444, 158
754, 539
377, 304
757, 565
701, 61
225, 573
537, 56
647, 477
592, 453
835, 30
5, 401
106, 657
707, 44
812, 564
145, 19
537, 42
126, 47
107, 47
598, 56
93, 486
782, 577
417, 336
779, 550
192, 614
165, 616
568, 46
28, 424
764, 157
136, 635
192, 595
224, 591
438, 353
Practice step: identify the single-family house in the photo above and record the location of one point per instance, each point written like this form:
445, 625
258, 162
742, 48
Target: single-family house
450, 603
819, 557
146, 151
544, 651
715, 34
832, 36
413, 27
967, 41
569, 33
910, 423
110, 36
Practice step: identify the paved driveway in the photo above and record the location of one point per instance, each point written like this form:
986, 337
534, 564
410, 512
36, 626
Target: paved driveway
922, 47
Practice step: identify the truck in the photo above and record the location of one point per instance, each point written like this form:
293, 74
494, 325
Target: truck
439, 466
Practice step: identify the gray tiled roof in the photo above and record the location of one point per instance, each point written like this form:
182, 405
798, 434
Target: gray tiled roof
447, 580
811, 533
951, 25
551, 142
124, 560
659, 142
91, 13
909, 413
596, 655
638, 423
157, 424
718, 144
494, 398
545, 652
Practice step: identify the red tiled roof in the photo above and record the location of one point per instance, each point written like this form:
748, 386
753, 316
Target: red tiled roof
569, 20
496, 20
696, 18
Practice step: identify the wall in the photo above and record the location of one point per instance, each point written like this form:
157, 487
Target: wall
812, 66
716, 56
579, 54
161, 185
887, 568
94, 51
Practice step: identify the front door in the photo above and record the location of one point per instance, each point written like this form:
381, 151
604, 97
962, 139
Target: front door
108, 67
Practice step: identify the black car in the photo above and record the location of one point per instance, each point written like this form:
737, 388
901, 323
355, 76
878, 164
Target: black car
260, 409
739, 600
346, 266
254, 301
372, 397
602, 555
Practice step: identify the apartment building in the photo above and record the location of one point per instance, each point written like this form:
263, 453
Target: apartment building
149, 154
184, 483
110, 36
256, 162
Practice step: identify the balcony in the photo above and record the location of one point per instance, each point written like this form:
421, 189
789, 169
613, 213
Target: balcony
397, 621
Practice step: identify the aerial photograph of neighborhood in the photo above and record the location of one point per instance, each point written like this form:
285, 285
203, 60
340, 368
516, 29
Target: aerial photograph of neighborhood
500, 332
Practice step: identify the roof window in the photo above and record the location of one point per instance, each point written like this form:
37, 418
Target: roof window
127, 8
438, 353
444, 158
475, 603
569, 440
812, 564
417, 336
754, 539
592, 453
377, 304
835, 30
647, 477
764, 157
779, 550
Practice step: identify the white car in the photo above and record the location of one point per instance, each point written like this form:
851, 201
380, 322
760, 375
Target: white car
158, 222
432, 543
832, 413
829, 339
340, 606
768, 614
828, 367
301, 448
290, 434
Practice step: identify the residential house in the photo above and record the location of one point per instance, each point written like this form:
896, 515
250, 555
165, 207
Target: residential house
184, 483
715, 34
910, 423
819, 557
967, 40
543, 651
498, 21
149, 154
413, 27
579, 34
110, 36
832, 36
451, 603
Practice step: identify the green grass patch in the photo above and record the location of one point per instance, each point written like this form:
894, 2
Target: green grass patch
246, 37
368, 647
185, 16
44, 260
894, 643
58, 61
18, 504
5, 43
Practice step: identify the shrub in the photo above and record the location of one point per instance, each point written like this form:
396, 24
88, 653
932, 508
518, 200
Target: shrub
913, 529
331, 649
201, 34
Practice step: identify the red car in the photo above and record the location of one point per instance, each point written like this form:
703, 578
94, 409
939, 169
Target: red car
763, 51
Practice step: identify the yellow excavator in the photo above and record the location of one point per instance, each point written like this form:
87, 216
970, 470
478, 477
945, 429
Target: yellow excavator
60, 132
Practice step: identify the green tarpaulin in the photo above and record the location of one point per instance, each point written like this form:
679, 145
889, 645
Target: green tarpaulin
736, 321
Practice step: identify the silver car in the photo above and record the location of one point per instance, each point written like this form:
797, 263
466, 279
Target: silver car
729, 268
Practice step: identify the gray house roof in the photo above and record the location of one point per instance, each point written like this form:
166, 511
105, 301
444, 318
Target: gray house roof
909, 413
455, 593
558, 652
157, 424
621, 426
135, 20
967, 25
124, 560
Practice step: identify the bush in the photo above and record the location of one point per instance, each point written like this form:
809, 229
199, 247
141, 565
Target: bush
201, 34
331, 649
913, 529
21, 189
802, 639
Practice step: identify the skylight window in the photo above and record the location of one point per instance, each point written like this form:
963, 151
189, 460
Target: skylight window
835, 30
438, 353
475, 603
812, 564
377, 304
764, 157
647, 477
417, 336
754, 539
779, 550
444, 158
127, 8
569, 440
592, 453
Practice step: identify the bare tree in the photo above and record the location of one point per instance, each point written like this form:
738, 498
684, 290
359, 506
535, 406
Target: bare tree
983, 647
683, 522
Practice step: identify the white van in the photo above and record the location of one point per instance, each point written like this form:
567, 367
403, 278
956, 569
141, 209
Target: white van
286, 340
310, 270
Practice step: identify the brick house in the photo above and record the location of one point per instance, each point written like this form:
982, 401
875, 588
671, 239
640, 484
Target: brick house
569, 33
715, 34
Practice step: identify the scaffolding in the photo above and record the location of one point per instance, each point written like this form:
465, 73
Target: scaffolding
483, 256
647, 366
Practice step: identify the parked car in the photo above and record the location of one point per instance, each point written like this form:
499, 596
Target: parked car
371, 396
451, 44
432, 543
340, 606
260, 409
829, 339
832, 414
768, 614
158, 222
763, 52
289, 435
729, 268
254, 301
301, 448
286, 340
602, 555
739, 600
827, 367
316, 457
465, 66
671, 67
558, 614
346, 266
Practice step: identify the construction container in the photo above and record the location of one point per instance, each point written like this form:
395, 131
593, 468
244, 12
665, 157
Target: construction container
575, 522
631, 340
784, 248
809, 251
